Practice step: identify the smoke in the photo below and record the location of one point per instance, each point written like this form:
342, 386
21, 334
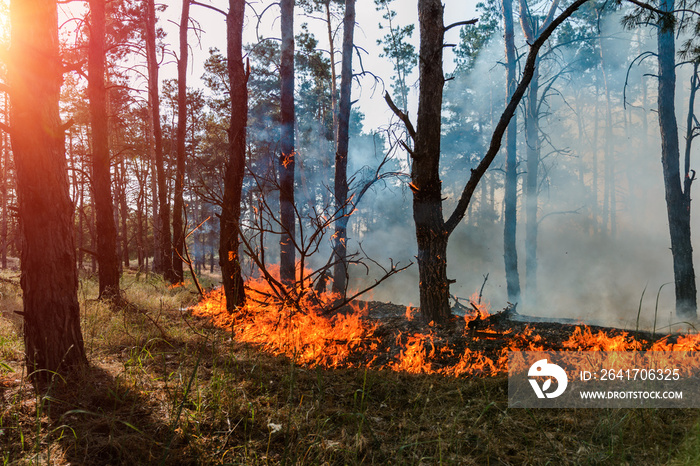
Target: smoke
603, 233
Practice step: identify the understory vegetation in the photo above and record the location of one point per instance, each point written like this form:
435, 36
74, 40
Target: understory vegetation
166, 388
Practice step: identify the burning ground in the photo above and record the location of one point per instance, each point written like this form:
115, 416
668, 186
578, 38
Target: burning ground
390, 337
166, 388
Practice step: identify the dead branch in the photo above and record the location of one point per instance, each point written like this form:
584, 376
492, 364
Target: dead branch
406, 121
393, 270
460, 23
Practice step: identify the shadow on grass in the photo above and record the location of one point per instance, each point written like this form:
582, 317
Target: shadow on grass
100, 419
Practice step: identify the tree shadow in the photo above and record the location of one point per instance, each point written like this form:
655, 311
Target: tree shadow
100, 419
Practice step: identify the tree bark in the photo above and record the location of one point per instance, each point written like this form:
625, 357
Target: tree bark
340, 269
287, 156
49, 279
164, 245
677, 201
510, 220
426, 185
106, 230
178, 201
229, 257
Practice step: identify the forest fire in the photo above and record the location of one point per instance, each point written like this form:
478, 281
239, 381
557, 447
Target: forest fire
478, 344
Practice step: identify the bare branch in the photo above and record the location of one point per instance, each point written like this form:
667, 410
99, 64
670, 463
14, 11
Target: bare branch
406, 121
460, 23
193, 2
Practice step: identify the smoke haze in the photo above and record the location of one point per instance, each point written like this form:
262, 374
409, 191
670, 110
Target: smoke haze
594, 259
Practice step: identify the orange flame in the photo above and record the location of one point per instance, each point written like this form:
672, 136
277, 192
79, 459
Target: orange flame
349, 339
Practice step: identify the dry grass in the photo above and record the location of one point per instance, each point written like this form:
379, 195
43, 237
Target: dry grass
163, 388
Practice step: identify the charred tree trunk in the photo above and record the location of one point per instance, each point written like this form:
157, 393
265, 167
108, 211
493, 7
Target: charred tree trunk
52, 337
164, 246
178, 202
677, 201
510, 220
340, 270
229, 257
287, 156
105, 228
426, 185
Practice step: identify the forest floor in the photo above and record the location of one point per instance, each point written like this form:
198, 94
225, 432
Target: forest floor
166, 388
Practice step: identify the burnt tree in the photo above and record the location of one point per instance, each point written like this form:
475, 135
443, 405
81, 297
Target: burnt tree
341, 155
106, 230
287, 155
432, 231
510, 200
677, 196
162, 223
229, 242
52, 337
178, 201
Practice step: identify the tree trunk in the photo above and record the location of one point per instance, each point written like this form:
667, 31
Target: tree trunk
531, 30
141, 206
229, 257
594, 191
331, 57
106, 231
5, 183
124, 209
49, 279
608, 162
157, 267
81, 222
164, 247
431, 234
532, 141
340, 269
510, 220
677, 201
287, 156
178, 202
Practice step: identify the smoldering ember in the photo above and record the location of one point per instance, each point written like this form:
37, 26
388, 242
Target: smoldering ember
348, 232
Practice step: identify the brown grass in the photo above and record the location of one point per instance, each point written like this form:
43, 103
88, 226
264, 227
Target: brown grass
164, 388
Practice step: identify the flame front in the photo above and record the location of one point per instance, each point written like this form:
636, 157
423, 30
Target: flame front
349, 339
